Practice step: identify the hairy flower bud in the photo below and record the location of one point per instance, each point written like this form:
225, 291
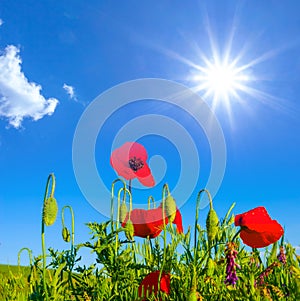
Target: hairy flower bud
210, 267
123, 212
212, 224
50, 211
170, 208
66, 234
129, 230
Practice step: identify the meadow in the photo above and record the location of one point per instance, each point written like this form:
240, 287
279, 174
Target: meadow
211, 263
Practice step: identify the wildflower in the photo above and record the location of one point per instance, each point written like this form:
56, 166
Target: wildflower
149, 284
258, 230
129, 161
281, 256
231, 253
149, 223
266, 273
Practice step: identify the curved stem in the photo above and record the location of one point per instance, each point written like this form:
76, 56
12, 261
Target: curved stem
29, 254
50, 177
72, 225
125, 190
151, 198
165, 192
235, 235
165, 189
72, 242
112, 200
197, 217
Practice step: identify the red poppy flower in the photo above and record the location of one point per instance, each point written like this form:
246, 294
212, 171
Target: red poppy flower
150, 222
150, 284
129, 161
258, 230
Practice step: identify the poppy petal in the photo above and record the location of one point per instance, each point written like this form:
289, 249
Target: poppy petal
178, 221
137, 150
121, 167
257, 228
147, 181
149, 284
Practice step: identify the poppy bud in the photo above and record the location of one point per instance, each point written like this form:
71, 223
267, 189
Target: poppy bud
50, 211
123, 212
66, 234
212, 224
170, 208
129, 230
210, 267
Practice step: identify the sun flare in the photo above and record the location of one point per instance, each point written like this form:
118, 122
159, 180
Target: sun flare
221, 80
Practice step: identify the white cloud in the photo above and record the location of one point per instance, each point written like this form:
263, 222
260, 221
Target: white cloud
1, 22
70, 91
20, 98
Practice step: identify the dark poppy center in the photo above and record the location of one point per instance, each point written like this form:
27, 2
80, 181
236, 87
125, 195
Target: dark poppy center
135, 163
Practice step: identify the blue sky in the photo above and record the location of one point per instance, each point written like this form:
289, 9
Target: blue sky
57, 57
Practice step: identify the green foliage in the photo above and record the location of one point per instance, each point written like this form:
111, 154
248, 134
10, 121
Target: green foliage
197, 267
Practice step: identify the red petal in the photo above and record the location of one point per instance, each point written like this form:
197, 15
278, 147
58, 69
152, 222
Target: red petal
146, 222
253, 216
137, 150
144, 171
272, 233
147, 181
178, 221
121, 169
150, 284
258, 229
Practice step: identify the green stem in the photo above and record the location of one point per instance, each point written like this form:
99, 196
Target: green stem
164, 191
112, 200
72, 225
72, 243
125, 190
129, 185
29, 254
50, 177
196, 221
151, 198
235, 235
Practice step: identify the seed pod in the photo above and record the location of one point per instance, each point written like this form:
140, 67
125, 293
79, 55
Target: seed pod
210, 267
123, 212
170, 208
66, 234
50, 211
129, 230
212, 225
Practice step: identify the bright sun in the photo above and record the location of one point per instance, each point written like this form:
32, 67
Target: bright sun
221, 80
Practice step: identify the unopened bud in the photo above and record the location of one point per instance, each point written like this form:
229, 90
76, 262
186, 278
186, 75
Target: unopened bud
170, 208
50, 211
129, 230
123, 212
66, 234
212, 225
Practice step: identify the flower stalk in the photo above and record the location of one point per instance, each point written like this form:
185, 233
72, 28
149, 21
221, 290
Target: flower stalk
48, 218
